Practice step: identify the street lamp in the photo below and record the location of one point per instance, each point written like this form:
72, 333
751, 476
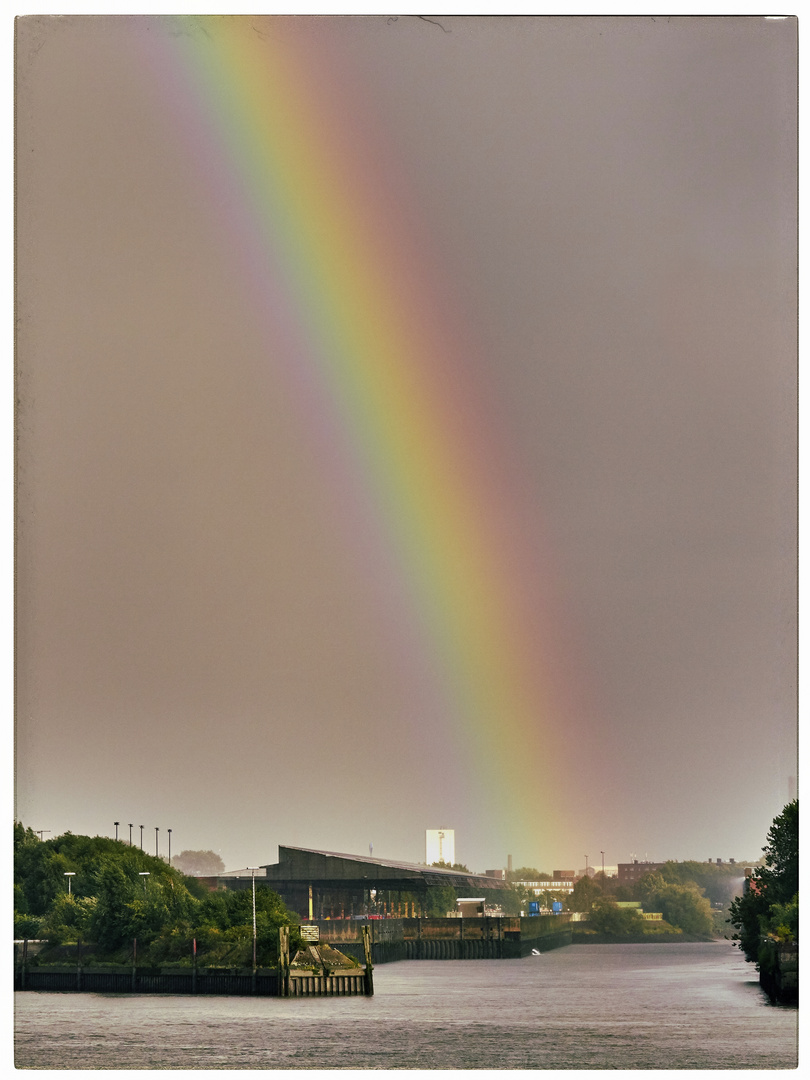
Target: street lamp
69, 874
253, 870
170, 847
156, 841
116, 824
603, 868
130, 834
586, 866
144, 874
141, 828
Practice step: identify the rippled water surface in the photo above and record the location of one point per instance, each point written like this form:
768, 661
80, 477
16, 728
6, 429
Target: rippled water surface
690, 1006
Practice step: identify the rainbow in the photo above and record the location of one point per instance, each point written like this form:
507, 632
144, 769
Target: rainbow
336, 261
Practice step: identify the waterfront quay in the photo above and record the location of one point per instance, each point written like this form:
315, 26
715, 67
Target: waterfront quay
479, 938
369, 942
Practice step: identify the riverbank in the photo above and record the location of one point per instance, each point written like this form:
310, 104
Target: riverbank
779, 971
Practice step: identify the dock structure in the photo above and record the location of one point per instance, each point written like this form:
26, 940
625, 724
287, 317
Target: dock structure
477, 938
318, 970
340, 964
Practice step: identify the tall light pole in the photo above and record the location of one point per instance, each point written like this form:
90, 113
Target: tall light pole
253, 870
141, 828
586, 866
41, 832
116, 824
69, 874
156, 840
170, 847
144, 874
603, 868
130, 833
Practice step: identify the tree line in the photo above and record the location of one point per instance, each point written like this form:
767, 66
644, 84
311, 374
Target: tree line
692, 897
75, 888
768, 910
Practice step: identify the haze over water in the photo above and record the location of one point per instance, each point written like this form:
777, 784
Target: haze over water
690, 1006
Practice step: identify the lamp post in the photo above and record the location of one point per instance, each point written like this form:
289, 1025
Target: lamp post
144, 874
69, 874
130, 833
141, 828
253, 870
156, 840
116, 824
603, 868
586, 866
170, 847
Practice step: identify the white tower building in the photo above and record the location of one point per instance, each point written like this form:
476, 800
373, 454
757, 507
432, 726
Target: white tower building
440, 845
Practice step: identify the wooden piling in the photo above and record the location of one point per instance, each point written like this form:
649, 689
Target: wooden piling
369, 981
284, 961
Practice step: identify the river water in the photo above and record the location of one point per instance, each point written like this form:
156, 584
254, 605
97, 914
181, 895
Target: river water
676, 1006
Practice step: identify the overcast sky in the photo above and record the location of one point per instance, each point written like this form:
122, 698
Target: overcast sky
213, 636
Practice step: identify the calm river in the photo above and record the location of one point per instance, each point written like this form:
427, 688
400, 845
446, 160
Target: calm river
582, 1007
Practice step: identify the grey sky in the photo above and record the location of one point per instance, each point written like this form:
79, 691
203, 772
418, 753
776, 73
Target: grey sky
611, 205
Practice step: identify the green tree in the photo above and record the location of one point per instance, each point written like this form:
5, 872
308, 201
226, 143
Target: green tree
119, 893
442, 865
607, 917
439, 900
782, 921
131, 903
584, 894
780, 876
683, 906
528, 873
68, 919
222, 924
768, 902
717, 881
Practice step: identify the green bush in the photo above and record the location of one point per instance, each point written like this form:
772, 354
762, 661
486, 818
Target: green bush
608, 918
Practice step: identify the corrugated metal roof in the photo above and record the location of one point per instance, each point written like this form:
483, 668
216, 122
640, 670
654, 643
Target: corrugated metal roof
435, 874
394, 864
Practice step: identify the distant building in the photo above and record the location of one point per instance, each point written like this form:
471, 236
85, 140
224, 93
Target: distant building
499, 874
629, 873
470, 907
563, 886
440, 846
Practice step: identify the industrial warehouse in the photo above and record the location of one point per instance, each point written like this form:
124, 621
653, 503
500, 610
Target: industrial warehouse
330, 885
